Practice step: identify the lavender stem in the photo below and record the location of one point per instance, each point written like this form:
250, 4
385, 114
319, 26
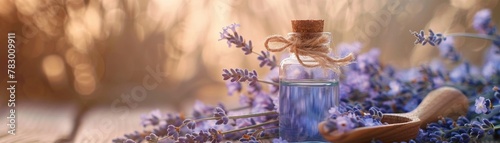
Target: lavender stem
268, 82
240, 108
251, 127
495, 110
479, 36
256, 53
240, 116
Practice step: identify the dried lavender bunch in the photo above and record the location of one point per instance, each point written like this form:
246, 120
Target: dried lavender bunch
197, 130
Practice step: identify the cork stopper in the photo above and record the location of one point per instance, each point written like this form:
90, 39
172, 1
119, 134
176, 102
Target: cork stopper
307, 26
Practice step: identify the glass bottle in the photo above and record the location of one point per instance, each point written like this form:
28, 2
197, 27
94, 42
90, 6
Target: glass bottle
305, 96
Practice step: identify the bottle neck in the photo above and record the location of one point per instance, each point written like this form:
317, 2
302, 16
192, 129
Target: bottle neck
306, 58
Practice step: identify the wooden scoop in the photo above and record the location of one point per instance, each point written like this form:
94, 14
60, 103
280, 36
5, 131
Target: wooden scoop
445, 102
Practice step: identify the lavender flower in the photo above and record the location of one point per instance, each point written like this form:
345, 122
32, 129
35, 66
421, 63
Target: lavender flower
222, 115
273, 76
188, 138
202, 136
254, 89
460, 131
448, 51
161, 130
492, 62
496, 42
245, 100
235, 39
347, 117
334, 111
367, 62
190, 124
265, 59
173, 132
433, 39
215, 136
482, 105
152, 119
344, 124
375, 112
248, 138
490, 69
496, 92
135, 136
482, 21
464, 72
346, 48
370, 122
151, 138
263, 103
240, 75
233, 87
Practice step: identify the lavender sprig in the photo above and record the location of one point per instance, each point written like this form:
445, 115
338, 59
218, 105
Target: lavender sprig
172, 133
483, 105
347, 117
436, 39
243, 75
221, 115
265, 59
240, 75
432, 39
234, 38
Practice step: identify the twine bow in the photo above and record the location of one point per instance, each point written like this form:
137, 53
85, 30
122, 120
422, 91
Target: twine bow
315, 48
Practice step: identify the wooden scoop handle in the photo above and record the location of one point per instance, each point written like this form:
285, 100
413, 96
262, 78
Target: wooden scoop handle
442, 102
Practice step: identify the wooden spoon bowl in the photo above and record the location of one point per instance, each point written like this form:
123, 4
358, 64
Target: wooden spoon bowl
442, 102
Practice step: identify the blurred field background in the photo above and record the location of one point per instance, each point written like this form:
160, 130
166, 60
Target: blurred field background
94, 51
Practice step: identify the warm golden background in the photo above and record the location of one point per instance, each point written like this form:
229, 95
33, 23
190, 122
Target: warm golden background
96, 50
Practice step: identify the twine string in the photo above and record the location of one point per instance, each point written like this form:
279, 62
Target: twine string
316, 48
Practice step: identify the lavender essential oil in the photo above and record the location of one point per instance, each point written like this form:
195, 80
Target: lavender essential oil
303, 104
307, 89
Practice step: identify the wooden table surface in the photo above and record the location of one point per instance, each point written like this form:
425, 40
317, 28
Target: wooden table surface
48, 123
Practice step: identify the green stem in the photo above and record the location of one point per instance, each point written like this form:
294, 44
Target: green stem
496, 127
251, 127
268, 82
240, 116
479, 36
